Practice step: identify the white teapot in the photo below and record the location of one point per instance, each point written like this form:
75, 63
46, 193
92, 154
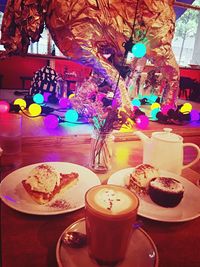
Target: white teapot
165, 150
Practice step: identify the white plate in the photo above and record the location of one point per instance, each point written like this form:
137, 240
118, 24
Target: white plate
14, 195
141, 252
188, 209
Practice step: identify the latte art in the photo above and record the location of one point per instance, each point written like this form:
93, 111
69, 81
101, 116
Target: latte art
112, 200
110, 212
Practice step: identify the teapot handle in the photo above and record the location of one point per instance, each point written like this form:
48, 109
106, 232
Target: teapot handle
197, 157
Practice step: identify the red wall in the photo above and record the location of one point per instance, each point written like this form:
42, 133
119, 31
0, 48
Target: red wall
191, 73
14, 67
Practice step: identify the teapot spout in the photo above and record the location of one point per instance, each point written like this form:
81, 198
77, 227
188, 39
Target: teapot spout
142, 136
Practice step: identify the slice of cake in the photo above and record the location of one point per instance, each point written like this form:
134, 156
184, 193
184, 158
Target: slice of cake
139, 179
44, 182
166, 192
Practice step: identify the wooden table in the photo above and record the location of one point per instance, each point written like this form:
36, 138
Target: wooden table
30, 240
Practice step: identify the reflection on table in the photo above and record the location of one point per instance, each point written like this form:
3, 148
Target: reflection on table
30, 240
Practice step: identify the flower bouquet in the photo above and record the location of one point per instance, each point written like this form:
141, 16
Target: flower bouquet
102, 138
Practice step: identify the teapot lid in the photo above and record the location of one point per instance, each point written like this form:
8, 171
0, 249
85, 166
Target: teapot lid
167, 136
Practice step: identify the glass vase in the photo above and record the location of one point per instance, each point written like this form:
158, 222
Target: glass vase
101, 152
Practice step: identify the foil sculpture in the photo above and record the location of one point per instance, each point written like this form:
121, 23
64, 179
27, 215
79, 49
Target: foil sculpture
87, 30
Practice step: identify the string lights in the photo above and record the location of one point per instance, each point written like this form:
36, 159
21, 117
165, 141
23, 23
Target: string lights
162, 114
36, 106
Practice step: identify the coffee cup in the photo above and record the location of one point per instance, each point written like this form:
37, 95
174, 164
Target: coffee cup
110, 212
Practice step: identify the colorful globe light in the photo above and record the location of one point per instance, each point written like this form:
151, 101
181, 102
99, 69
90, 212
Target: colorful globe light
139, 50
194, 115
51, 121
142, 121
64, 102
38, 98
21, 102
71, 115
155, 105
35, 109
152, 98
71, 96
46, 96
166, 108
186, 108
4, 106
136, 102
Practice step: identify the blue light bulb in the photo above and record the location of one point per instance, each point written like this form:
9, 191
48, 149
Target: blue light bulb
152, 98
136, 102
38, 98
139, 50
71, 115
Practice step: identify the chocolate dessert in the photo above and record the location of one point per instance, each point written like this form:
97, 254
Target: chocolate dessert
166, 192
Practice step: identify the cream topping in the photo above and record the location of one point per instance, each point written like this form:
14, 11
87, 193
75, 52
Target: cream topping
167, 184
43, 178
144, 173
112, 200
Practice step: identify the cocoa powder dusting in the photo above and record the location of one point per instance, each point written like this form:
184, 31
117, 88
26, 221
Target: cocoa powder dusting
60, 204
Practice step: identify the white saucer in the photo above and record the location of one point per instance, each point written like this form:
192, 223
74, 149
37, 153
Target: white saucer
188, 209
142, 251
14, 195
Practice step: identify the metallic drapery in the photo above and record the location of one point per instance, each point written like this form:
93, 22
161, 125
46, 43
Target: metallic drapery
85, 30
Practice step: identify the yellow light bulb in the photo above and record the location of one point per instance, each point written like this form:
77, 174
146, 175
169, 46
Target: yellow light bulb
186, 108
35, 109
72, 95
128, 126
155, 105
21, 102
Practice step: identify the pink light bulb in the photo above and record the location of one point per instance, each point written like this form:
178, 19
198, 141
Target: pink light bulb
51, 121
195, 115
64, 102
46, 96
142, 121
4, 106
166, 108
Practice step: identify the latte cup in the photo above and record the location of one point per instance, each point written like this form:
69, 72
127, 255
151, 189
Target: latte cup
110, 213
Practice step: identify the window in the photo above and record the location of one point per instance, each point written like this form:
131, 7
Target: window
186, 41
185, 44
1, 18
44, 46
40, 47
